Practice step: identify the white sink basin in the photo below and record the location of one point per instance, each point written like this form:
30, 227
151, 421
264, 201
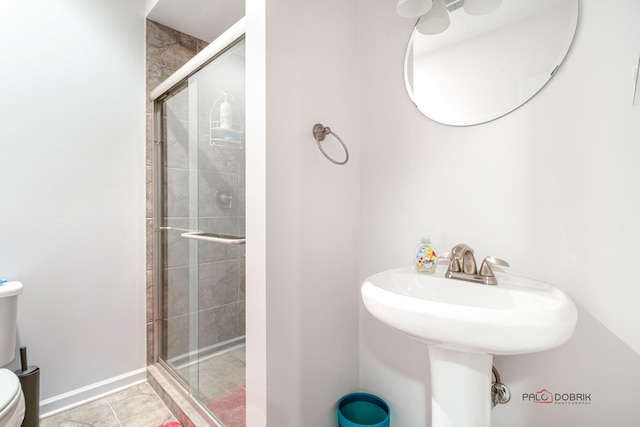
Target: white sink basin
465, 324
518, 315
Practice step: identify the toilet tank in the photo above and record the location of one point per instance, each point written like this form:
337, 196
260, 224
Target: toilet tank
9, 292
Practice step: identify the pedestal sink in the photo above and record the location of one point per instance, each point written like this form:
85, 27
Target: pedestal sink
464, 325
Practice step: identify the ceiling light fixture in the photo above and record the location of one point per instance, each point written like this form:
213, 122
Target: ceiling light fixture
435, 21
413, 8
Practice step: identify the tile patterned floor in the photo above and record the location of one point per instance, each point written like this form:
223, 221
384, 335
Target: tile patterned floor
138, 406
221, 381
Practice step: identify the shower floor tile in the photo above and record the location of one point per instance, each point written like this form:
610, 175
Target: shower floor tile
215, 376
219, 382
137, 406
227, 370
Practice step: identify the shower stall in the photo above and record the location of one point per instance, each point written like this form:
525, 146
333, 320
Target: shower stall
199, 223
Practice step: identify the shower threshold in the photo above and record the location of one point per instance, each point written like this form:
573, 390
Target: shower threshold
184, 405
220, 389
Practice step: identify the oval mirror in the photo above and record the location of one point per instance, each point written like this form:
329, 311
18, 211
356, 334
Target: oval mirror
485, 66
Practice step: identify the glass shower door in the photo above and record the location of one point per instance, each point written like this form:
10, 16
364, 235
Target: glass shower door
201, 228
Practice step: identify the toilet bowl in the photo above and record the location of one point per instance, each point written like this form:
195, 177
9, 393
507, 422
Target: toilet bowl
11, 400
12, 406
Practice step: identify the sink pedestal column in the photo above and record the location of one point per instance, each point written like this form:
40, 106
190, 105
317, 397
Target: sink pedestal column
460, 388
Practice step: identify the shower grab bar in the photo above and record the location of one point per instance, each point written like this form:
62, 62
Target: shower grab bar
187, 230
214, 238
207, 237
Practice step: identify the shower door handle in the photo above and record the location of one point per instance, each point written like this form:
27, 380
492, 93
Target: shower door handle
214, 238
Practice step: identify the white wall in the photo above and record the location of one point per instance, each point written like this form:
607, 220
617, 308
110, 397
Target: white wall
149, 5
256, 226
311, 210
72, 179
550, 187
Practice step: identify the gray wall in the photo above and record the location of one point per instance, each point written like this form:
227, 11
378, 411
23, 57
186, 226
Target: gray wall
166, 51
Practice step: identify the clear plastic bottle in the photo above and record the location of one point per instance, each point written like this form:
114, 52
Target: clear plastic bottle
226, 114
426, 258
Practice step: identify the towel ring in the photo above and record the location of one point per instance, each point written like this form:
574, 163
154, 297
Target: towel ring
319, 133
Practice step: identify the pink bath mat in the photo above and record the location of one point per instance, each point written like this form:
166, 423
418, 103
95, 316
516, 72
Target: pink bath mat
230, 407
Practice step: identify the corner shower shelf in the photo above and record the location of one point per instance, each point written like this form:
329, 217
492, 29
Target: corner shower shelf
226, 137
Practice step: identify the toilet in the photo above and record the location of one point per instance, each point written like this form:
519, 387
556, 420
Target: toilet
12, 405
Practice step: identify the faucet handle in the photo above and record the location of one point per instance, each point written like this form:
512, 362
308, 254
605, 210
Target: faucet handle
454, 262
485, 268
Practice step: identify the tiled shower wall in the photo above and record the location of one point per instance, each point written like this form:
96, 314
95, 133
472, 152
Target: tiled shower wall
220, 269
166, 51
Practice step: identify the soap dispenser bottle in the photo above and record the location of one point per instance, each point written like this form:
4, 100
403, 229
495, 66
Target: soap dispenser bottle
226, 114
426, 258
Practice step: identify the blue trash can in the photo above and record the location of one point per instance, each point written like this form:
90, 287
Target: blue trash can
363, 409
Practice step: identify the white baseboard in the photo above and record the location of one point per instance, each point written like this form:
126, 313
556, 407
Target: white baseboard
80, 396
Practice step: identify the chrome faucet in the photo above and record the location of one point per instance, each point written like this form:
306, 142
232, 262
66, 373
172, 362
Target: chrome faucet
462, 266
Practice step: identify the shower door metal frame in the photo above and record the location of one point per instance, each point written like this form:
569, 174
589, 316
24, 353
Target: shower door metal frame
176, 82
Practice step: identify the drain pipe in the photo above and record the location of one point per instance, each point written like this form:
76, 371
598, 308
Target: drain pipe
500, 393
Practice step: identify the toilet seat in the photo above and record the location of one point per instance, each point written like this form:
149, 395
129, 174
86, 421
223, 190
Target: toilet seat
11, 399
